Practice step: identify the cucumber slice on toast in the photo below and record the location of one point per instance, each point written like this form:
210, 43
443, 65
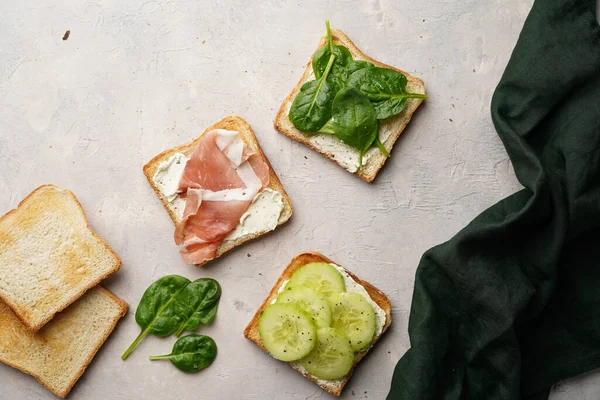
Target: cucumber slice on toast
311, 302
332, 358
354, 316
286, 331
321, 277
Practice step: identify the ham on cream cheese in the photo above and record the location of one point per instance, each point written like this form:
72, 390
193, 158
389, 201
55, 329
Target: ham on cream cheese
219, 182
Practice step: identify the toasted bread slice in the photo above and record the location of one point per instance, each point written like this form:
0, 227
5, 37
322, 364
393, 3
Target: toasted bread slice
58, 354
251, 331
233, 123
332, 148
49, 256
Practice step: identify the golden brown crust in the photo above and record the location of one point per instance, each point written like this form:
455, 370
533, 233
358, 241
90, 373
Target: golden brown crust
124, 307
283, 124
231, 123
19, 312
251, 331
63, 393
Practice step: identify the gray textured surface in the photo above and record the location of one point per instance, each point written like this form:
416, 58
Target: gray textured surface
135, 78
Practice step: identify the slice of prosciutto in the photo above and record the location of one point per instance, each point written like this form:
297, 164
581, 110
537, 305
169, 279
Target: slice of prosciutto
219, 181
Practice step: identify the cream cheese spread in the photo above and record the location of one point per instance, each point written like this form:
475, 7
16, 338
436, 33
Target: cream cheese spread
262, 214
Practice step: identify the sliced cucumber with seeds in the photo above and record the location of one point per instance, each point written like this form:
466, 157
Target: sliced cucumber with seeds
332, 358
286, 331
311, 302
322, 277
354, 316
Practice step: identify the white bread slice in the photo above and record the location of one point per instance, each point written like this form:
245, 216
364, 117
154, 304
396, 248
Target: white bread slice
49, 256
58, 354
251, 331
392, 127
233, 123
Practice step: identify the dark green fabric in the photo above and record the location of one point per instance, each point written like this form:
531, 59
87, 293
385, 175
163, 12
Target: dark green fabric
511, 304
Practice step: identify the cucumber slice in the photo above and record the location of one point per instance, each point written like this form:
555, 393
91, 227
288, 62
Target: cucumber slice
332, 358
355, 317
321, 277
286, 331
311, 302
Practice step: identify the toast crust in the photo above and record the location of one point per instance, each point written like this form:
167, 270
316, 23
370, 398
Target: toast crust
234, 123
251, 331
121, 304
19, 311
371, 168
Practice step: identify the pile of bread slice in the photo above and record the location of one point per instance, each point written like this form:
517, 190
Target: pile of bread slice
54, 316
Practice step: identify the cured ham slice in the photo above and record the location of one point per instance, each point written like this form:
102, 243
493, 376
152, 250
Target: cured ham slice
219, 181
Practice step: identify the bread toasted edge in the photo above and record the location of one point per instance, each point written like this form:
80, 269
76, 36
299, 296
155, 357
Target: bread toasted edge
63, 393
34, 327
371, 168
251, 332
235, 123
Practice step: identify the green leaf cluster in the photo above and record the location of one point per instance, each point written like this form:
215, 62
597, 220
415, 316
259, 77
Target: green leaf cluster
348, 97
174, 304
191, 353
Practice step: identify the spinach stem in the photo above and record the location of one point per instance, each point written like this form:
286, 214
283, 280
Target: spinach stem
165, 357
181, 328
328, 68
329, 39
360, 160
381, 147
321, 82
134, 344
380, 97
416, 96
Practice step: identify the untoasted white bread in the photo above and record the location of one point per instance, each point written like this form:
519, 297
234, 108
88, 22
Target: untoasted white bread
393, 125
49, 256
233, 123
251, 332
58, 354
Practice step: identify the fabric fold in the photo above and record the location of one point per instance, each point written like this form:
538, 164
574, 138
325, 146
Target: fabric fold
508, 306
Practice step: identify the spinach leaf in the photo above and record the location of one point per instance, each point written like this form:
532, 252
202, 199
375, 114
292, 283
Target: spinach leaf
327, 128
354, 120
355, 66
321, 57
198, 302
311, 108
387, 108
191, 353
158, 312
385, 87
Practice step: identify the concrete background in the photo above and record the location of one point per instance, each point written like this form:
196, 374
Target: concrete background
136, 78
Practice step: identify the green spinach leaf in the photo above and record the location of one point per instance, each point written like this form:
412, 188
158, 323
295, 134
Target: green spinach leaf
321, 58
311, 108
387, 108
385, 87
158, 312
354, 120
327, 128
198, 303
191, 353
355, 66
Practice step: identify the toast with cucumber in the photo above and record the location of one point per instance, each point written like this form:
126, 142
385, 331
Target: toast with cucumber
349, 107
321, 319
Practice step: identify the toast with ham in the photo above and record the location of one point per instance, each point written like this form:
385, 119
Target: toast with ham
49, 256
251, 332
58, 354
346, 156
214, 172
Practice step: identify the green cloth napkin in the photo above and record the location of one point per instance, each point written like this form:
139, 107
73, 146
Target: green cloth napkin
511, 304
